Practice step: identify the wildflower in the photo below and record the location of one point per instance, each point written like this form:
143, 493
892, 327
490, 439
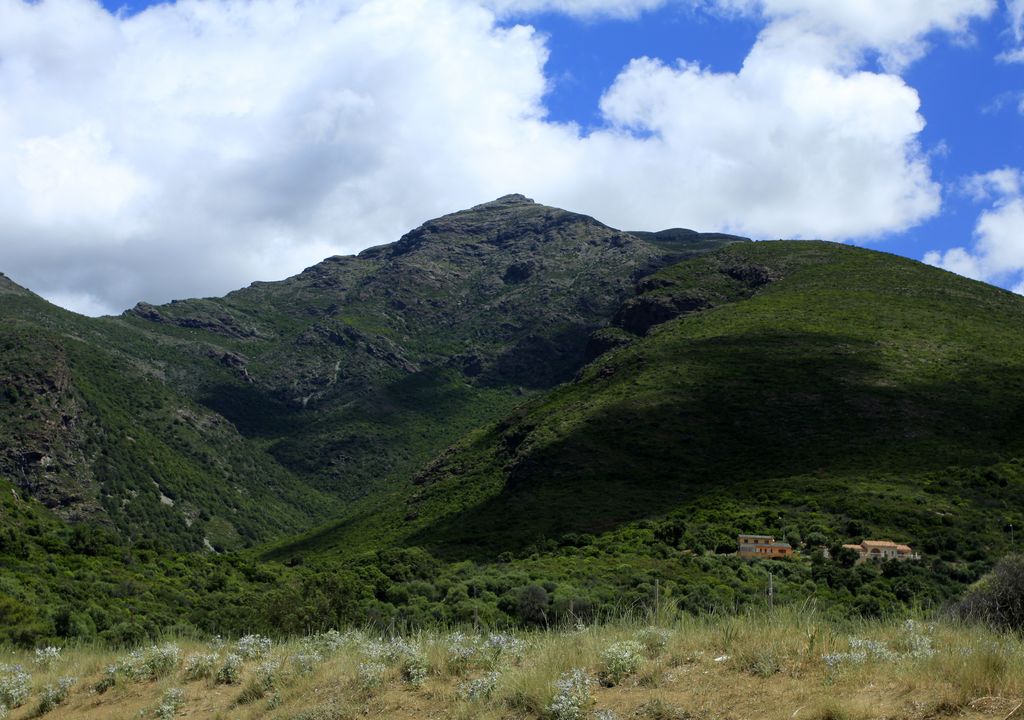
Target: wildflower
47, 656
155, 662
479, 688
370, 675
572, 696
252, 647
231, 671
15, 685
54, 695
200, 666
620, 660
398, 651
172, 701
653, 639
501, 645
462, 649
266, 672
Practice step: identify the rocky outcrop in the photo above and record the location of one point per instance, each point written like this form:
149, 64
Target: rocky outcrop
644, 312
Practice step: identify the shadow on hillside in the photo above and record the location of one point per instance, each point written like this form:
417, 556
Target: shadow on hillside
728, 411
253, 412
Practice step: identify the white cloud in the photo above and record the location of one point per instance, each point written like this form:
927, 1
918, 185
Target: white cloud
998, 252
200, 145
1015, 9
1015, 13
579, 8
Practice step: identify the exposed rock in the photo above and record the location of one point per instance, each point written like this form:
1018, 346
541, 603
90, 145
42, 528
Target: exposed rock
753, 276
520, 271
607, 339
640, 314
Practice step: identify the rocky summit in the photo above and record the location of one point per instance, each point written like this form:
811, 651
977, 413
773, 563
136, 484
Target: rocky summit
306, 394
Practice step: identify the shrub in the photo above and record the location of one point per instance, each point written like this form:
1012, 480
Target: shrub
252, 647
572, 696
261, 682
198, 667
15, 685
461, 651
172, 701
370, 676
620, 660
108, 680
230, 672
998, 598
503, 646
54, 695
153, 663
47, 656
479, 688
3, 712
654, 640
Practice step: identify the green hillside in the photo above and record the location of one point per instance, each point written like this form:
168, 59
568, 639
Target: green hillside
514, 415
802, 387
89, 426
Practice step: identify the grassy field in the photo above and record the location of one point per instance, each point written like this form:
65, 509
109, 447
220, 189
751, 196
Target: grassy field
790, 663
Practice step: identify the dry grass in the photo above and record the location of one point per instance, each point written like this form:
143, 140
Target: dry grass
759, 666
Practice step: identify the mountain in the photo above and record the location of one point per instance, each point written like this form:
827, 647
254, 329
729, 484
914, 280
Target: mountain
801, 386
225, 421
512, 415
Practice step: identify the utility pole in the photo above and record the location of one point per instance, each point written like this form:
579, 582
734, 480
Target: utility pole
657, 599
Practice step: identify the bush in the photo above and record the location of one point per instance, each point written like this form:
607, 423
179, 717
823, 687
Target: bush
479, 688
998, 598
572, 696
172, 701
654, 640
54, 695
253, 647
261, 683
230, 672
151, 664
620, 660
198, 667
47, 656
15, 685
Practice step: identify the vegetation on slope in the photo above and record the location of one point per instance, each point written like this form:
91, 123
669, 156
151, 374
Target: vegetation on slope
866, 393
820, 393
96, 434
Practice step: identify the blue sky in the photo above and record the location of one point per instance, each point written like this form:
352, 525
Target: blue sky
187, 149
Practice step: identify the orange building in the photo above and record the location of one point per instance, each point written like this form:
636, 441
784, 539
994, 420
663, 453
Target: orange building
763, 546
883, 550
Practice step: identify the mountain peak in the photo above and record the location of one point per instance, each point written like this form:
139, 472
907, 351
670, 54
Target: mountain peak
505, 201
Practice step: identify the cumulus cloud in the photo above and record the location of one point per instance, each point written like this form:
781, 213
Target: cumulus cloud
897, 29
196, 146
998, 252
1015, 12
